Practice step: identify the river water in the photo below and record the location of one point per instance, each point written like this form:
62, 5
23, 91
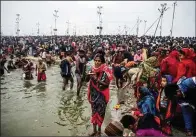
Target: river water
32, 108
29, 108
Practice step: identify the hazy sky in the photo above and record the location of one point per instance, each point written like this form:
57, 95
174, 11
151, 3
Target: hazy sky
83, 15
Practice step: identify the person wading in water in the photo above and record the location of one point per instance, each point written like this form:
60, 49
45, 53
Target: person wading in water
40, 71
80, 69
48, 58
66, 71
10, 64
27, 69
2, 65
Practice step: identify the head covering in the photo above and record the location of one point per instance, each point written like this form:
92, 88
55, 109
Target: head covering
174, 54
144, 91
146, 103
115, 128
169, 79
186, 52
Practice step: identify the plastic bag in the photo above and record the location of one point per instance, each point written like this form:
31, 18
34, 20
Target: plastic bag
116, 114
23, 75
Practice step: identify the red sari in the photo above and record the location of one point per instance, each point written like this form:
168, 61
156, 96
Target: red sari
98, 94
187, 66
169, 64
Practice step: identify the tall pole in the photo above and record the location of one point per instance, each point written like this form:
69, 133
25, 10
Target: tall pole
32, 32
125, 30
145, 25
17, 24
133, 27
75, 30
100, 19
51, 30
118, 30
1, 33
68, 27
162, 11
175, 4
152, 25
38, 28
161, 25
138, 23
55, 19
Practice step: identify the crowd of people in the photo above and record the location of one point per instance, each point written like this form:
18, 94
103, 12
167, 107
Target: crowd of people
161, 71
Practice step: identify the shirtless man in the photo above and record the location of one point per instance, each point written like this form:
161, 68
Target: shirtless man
48, 58
40, 71
80, 69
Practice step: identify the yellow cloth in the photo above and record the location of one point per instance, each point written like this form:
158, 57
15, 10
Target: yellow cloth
130, 64
69, 59
144, 53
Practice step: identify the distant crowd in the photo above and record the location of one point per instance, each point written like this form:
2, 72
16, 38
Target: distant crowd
161, 71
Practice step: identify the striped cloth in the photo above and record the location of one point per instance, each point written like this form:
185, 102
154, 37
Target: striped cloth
115, 128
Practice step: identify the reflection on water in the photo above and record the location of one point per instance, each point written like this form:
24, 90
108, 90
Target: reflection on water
72, 113
43, 106
27, 84
41, 87
46, 110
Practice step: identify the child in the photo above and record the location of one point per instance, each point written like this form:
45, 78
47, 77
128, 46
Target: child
144, 126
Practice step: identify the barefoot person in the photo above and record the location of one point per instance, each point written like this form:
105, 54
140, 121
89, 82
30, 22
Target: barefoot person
66, 71
2, 65
40, 71
98, 92
10, 64
80, 69
48, 58
27, 69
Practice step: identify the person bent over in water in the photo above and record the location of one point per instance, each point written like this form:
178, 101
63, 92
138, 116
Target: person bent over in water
66, 72
40, 71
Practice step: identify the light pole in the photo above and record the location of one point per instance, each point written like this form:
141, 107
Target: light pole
1, 34
100, 19
138, 23
125, 30
55, 18
37, 28
162, 11
145, 25
51, 30
17, 24
175, 4
75, 30
68, 27
118, 30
